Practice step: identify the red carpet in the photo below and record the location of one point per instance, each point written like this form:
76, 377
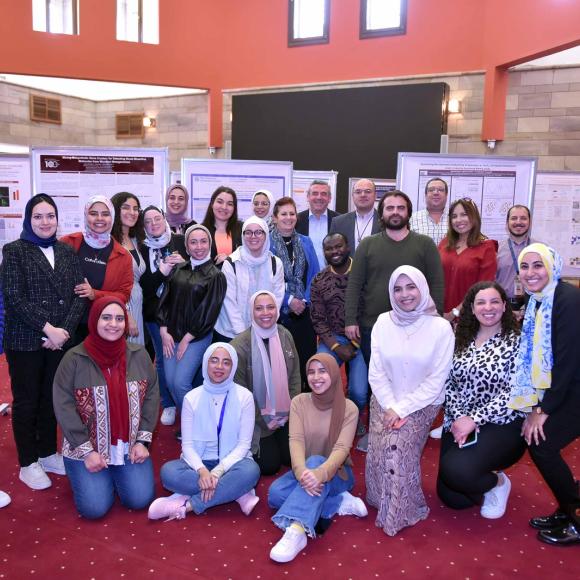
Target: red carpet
42, 536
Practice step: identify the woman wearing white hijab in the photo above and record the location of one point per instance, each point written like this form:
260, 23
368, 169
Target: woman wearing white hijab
411, 353
106, 265
263, 204
269, 367
249, 268
216, 465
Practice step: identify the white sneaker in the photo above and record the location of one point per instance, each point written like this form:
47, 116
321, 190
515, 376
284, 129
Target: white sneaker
495, 500
53, 464
4, 499
436, 433
34, 477
289, 546
248, 502
168, 416
352, 506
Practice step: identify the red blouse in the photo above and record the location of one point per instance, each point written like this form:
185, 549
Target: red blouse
474, 264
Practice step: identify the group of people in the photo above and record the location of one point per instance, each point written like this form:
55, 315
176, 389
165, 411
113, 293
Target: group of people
246, 332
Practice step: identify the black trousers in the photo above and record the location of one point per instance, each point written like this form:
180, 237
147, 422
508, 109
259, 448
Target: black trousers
561, 428
33, 420
465, 474
302, 332
274, 452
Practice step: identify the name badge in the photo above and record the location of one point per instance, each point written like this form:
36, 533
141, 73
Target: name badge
518, 287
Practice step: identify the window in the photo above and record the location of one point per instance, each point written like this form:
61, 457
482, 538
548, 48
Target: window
45, 109
59, 16
129, 126
138, 21
382, 18
308, 22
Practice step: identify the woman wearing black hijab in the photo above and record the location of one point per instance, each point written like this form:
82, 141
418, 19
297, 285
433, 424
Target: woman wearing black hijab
39, 275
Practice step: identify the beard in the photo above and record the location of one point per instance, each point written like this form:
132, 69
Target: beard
399, 225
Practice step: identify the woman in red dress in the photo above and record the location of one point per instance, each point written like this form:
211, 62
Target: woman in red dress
467, 255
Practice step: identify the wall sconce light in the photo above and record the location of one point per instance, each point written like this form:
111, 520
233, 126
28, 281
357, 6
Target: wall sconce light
454, 106
149, 122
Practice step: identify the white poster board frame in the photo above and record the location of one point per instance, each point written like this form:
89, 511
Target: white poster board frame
493, 182
73, 174
203, 176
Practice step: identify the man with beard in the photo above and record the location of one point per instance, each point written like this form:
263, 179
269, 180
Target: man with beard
327, 295
375, 260
432, 221
518, 225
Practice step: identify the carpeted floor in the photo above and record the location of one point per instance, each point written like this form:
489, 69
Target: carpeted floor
41, 534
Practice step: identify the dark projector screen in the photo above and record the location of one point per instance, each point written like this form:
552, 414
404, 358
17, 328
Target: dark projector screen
357, 132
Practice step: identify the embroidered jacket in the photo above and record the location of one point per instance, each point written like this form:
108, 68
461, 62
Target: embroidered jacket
81, 402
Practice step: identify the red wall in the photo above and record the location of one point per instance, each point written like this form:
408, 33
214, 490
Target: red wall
225, 44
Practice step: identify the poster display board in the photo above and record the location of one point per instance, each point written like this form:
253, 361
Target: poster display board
381, 187
494, 183
301, 181
15, 191
71, 175
203, 176
556, 219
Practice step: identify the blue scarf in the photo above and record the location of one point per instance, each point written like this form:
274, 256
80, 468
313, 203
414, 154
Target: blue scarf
27, 234
293, 270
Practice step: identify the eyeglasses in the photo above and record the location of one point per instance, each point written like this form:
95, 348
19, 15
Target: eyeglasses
261, 204
436, 189
254, 233
361, 191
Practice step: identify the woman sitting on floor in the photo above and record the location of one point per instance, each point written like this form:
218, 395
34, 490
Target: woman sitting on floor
322, 428
481, 433
216, 464
270, 368
106, 400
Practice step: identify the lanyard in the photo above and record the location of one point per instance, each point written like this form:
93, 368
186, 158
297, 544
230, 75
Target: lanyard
219, 427
510, 244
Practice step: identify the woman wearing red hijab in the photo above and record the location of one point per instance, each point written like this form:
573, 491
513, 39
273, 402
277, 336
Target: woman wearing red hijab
106, 400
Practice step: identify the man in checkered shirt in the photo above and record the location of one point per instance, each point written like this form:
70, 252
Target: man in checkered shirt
432, 221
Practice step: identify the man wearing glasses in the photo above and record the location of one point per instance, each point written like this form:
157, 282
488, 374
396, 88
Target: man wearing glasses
364, 221
432, 221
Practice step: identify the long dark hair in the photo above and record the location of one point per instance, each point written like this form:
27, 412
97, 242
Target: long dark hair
209, 219
468, 324
475, 237
137, 231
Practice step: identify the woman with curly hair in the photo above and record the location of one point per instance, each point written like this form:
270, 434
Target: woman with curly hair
481, 434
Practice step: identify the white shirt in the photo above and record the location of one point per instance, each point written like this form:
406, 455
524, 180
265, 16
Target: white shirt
422, 223
409, 364
49, 253
363, 227
317, 230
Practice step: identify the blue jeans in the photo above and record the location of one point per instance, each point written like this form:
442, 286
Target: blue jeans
358, 375
155, 334
178, 477
179, 374
94, 493
295, 505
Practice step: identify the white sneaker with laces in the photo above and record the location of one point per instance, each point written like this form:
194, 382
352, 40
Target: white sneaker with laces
34, 476
168, 416
53, 464
495, 500
289, 546
173, 507
4, 499
352, 506
436, 433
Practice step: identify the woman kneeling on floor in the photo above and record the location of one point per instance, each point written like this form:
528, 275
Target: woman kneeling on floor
106, 401
217, 424
481, 433
322, 428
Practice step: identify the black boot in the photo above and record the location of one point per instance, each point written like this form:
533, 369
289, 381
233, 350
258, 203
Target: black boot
557, 520
566, 536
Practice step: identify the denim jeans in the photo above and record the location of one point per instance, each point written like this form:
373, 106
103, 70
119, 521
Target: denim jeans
295, 505
178, 477
179, 374
358, 375
94, 493
155, 334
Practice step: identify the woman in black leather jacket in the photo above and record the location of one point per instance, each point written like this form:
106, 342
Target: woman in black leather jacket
187, 312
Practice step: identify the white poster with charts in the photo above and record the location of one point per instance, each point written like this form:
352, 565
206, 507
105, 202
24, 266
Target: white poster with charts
494, 183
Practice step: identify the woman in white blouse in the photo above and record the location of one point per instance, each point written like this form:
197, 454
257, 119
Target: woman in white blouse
217, 423
411, 352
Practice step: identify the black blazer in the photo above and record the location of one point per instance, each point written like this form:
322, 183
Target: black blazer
35, 293
302, 225
151, 281
345, 225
